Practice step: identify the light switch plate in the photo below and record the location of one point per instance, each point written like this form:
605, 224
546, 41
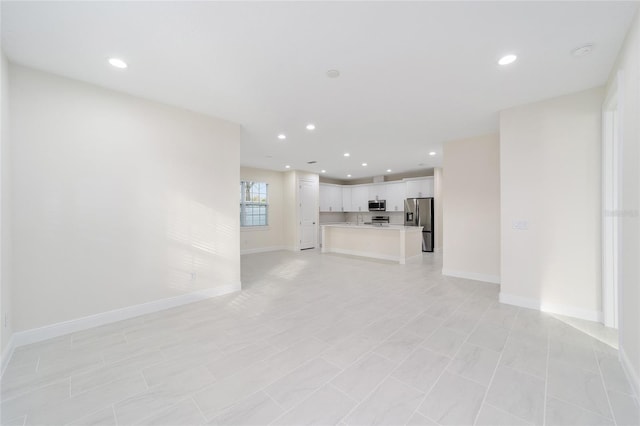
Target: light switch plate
520, 225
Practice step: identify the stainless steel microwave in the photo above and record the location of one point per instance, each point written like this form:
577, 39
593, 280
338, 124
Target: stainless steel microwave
377, 205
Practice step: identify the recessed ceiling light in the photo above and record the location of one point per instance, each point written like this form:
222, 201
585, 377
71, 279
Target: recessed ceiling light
364, 164
118, 63
346, 154
287, 166
432, 153
388, 170
348, 175
323, 171
508, 59
583, 50
282, 136
333, 73
311, 126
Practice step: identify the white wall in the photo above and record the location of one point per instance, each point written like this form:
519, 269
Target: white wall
117, 200
438, 227
471, 208
6, 327
629, 64
256, 239
550, 178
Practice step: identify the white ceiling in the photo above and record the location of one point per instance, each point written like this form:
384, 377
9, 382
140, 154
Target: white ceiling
413, 74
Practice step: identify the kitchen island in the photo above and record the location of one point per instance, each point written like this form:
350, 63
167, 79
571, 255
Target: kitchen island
398, 243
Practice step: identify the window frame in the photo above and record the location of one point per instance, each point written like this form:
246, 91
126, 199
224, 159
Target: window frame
244, 203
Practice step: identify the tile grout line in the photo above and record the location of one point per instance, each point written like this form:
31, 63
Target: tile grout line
197, 406
356, 361
495, 370
426, 393
604, 387
546, 381
115, 417
453, 357
327, 383
573, 404
506, 412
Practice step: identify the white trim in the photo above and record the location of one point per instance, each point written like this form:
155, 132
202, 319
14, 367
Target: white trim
631, 373
255, 228
569, 311
494, 279
363, 254
610, 180
59, 329
416, 258
264, 249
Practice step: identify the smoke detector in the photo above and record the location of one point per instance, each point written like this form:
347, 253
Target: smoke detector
333, 73
582, 51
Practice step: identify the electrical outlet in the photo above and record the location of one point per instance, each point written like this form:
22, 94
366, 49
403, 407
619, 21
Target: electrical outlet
521, 225
193, 276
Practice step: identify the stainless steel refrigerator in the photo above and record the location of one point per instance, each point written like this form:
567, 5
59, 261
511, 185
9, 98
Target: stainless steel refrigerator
419, 212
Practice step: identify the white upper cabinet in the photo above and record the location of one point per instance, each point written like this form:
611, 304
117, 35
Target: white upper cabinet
378, 191
355, 198
346, 198
395, 196
419, 188
360, 198
330, 198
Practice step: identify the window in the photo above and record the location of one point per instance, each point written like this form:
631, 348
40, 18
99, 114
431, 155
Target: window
254, 206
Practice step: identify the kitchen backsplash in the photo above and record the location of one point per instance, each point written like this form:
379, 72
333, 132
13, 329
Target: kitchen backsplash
333, 217
395, 218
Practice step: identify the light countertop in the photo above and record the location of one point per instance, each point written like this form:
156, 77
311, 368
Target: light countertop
401, 228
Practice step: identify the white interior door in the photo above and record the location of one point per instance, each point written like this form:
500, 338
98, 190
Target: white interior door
308, 211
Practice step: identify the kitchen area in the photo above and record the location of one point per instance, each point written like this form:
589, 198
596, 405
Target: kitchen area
388, 220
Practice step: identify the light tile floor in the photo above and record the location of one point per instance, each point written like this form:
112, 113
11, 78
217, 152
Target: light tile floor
328, 339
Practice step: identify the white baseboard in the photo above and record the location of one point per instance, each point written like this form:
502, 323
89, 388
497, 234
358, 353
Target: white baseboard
494, 279
630, 371
7, 353
569, 311
263, 249
363, 254
34, 335
413, 259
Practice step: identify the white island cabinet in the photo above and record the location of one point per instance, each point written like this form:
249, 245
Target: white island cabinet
398, 243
